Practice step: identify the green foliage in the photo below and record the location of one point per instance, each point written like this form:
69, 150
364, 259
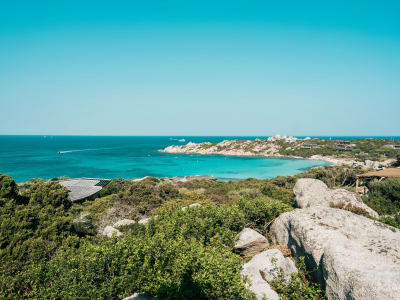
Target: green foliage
205, 223
260, 212
145, 195
332, 176
8, 187
391, 220
300, 287
275, 192
180, 255
31, 231
384, 196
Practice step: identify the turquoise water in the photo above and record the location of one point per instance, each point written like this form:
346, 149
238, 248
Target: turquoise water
25, 157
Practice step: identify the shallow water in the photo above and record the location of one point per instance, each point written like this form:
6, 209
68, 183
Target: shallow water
25, 157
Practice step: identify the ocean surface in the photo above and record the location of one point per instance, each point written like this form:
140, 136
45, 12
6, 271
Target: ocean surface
25, 157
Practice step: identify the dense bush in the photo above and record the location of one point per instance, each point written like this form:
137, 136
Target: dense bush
300, 287
183, 254
260, 212
384, 196
32, 228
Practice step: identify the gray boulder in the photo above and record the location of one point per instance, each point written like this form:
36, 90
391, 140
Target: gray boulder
139, 296
109, 231
313, 192
191, 205
250, 242
352, 256
124, 222
274, 262
144, 221
256, 284
265, 267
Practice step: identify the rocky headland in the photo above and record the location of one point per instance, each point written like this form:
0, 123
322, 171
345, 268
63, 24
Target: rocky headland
365, 153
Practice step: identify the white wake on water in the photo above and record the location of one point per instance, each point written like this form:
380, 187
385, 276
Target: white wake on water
80, 150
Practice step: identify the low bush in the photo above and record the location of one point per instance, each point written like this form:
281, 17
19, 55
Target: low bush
183, 254
300, 287
260, 212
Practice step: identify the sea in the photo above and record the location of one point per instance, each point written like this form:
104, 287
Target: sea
37, 156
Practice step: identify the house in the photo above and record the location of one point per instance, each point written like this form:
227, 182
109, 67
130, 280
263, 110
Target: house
81, 189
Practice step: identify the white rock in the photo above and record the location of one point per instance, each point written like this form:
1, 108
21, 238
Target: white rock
144, 221
252, 270
353, 256
250, 242
109, 231
274, 263
313, 192
139, 296
124, 222
191, 205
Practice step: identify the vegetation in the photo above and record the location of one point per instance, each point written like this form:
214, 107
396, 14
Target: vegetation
358, 149
182, 254
300, 286
384, 198
332, 176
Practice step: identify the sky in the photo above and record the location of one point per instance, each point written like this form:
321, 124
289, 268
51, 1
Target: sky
200, 67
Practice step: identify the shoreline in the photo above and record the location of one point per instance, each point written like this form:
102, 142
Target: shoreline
216, 149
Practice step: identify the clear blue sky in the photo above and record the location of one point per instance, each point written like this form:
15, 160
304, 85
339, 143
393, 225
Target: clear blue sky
200, 67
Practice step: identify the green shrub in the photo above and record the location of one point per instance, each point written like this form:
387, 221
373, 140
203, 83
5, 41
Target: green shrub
384, 196
300, 287
206, 223
8, 187
391, 220
31, 231
260, 212
169, 268
388, 188
282, 194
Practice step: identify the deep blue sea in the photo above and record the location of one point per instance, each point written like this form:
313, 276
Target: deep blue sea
25, 157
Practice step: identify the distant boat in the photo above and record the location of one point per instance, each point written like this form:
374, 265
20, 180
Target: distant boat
182, 140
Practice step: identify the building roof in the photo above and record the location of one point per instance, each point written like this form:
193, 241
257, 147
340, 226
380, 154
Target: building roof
389, 172
82, 188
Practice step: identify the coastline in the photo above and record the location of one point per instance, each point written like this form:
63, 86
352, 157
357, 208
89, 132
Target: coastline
240, 148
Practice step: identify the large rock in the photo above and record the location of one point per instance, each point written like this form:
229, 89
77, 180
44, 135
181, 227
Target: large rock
191, 205
353, 256
123, 222
265, 267
313, 192
256, 283
139, 296
250, 242
273, 262
109, 231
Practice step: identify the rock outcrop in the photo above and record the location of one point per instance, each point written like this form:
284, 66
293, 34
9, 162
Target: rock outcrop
144, 221
139, 296
313, 192
109, 231
191, 205
250, 242
352, 256
275, 262
263, 268
123, 222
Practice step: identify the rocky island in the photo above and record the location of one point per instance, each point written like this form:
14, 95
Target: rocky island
366, 153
